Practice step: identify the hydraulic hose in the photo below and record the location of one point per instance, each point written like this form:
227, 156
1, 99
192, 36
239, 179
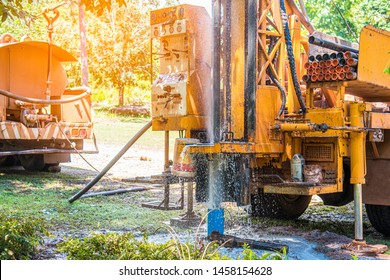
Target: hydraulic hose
86, 92
290, 54
275, 79
111, 163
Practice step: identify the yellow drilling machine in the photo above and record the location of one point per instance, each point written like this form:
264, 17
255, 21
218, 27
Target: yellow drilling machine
270, 116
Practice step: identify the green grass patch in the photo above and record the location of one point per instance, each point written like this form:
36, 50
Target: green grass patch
114, 246
45, 196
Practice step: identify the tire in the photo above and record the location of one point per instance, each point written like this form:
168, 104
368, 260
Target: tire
279, 206
379, 217
32, 162
8, 161
344, 197
52, 167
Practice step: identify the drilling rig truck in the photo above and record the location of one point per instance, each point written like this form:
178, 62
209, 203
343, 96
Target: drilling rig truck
271, 114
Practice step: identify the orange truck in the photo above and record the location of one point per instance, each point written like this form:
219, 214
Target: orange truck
41, 121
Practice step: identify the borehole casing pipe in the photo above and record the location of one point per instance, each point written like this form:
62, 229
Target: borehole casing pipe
358, 165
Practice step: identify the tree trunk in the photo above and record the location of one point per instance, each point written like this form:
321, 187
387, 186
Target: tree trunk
83, 46
121, 95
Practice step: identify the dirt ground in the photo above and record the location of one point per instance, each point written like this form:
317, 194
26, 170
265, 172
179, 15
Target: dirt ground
137, 162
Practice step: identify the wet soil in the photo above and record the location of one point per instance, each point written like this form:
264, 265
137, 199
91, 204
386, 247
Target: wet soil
304, 244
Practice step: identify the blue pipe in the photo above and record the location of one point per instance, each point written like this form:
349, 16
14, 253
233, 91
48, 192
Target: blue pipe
216, 220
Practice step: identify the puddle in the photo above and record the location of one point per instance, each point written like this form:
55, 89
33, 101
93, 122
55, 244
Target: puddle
299, 248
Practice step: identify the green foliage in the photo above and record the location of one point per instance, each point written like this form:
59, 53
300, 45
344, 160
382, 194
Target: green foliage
114, 246
375, 12
248, 254
19, 236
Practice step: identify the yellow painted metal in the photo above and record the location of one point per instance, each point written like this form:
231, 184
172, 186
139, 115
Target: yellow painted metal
181, 92
292, 100
238, 67
192, 122
358, 146
268, 103
301, 190
374, 57
298, 127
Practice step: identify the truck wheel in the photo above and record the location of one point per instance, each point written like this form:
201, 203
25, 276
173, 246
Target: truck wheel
8, 161
379, 217
32, 162
280, 206
53, 167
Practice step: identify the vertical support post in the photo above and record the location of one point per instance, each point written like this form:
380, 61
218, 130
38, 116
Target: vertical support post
166, 151
358, 164
190, 199
250, 70
228, 62
216, 72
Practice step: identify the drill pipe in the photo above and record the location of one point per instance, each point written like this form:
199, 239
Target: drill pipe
333, 56
348, 68
306, 78
350, 55
232, 241
351, 75
352, 61
330, 45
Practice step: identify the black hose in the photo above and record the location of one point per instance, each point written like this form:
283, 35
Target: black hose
86, 92
290, 54
111, 163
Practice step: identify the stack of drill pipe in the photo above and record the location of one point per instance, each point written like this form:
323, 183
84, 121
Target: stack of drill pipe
330, 67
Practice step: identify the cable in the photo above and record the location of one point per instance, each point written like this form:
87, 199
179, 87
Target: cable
290, 54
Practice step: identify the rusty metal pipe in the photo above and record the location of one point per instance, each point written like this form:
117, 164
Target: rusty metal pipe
330, 45
350, 55
334, 77
306, 78
307, 65
320, 77
314, 78
351, 76
348, 68
339, 69
352, 61
315, 64
341, 76
328, 77
328, 63
335, 62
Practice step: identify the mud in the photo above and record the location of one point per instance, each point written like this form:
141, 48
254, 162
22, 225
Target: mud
304, 245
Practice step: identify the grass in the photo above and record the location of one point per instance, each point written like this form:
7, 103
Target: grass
46, 197
124, 128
